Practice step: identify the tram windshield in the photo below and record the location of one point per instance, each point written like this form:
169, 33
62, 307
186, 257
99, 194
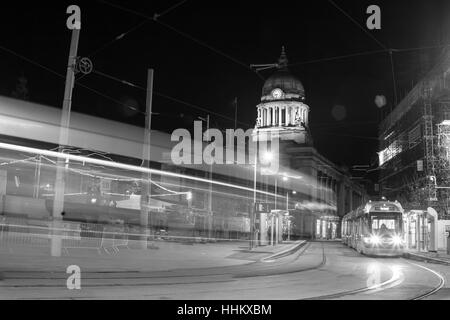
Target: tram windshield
386, 222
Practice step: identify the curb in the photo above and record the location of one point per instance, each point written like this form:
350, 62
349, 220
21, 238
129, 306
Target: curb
419, 257
286, 252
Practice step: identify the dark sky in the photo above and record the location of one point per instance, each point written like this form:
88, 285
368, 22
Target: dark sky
244, 32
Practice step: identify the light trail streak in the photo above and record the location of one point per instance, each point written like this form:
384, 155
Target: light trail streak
123, 166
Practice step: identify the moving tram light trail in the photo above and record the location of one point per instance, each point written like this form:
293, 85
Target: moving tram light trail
123, 166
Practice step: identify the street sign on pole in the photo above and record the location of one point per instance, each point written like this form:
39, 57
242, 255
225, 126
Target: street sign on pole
62, 164
146, 177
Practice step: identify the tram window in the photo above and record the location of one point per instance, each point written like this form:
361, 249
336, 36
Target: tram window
385, 225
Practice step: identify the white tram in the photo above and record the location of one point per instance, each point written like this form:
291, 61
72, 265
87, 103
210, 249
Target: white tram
375, 228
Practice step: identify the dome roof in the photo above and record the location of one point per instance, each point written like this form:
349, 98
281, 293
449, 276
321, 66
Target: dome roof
283, 79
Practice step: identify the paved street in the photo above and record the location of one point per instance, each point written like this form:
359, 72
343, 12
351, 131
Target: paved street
318, 270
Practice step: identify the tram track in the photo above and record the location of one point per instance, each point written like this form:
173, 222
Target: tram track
433, 290
384, 286
284, 266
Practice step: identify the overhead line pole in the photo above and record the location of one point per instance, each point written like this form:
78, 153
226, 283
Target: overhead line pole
62, 164
146, 154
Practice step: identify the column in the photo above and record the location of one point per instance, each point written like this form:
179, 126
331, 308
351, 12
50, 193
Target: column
280, 118
328, 194
273, 116
259, 116
288, 115
261, 120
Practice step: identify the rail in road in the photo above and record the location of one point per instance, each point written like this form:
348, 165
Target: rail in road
319, 270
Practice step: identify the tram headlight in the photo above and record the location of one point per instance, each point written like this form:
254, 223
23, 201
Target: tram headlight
397, 240
374, 239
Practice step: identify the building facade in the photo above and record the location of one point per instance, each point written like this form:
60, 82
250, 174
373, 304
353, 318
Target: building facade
413, 152
284, 115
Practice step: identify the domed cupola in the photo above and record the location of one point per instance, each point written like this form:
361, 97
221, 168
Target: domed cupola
283, 112
282, 85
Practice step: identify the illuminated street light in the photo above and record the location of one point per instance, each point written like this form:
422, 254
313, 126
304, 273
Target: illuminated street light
268, 156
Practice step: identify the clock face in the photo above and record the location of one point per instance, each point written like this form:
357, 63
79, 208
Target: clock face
277, 93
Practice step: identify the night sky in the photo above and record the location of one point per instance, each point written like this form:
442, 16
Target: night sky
201, 52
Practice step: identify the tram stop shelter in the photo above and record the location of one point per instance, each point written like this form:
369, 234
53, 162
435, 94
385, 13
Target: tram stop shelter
421, 230
272, 227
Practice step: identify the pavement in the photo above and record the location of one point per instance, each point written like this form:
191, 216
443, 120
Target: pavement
440, 256
160, 256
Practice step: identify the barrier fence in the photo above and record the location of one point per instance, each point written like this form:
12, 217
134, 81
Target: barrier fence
24, 232
16, 231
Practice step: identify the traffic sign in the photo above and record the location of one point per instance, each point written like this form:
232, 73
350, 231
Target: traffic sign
83, 65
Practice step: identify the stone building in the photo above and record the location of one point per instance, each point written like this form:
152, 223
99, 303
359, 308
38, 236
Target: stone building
283, 114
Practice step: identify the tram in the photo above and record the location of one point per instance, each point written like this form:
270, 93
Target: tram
375, 228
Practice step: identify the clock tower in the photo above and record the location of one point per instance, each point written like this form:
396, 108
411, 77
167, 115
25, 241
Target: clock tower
283, 112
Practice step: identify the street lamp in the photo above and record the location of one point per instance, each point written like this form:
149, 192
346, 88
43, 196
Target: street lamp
288, 216
267, 156
210, 213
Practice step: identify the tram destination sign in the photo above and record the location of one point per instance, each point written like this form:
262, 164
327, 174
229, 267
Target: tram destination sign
384, 215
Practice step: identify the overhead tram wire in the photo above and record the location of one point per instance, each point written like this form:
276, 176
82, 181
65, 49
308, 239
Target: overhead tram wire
358, 24
184, 34
190, 104
338, 57
145, 21
168, 97
61, 76
119, 80
394, 82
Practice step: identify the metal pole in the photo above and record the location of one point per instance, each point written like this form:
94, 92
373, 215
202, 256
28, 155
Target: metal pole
252, 217
235, 112
287, 202
210, 189
146, 177
271, 228
59, 190
37, 177
276, 181
289, 229
277, 228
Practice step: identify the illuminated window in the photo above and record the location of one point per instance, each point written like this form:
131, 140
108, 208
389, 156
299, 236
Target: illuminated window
390, 152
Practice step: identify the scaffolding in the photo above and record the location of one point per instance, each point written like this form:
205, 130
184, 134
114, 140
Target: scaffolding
412, 140
429, 140
443, 148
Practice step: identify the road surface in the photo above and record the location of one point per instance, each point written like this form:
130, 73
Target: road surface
319, 270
